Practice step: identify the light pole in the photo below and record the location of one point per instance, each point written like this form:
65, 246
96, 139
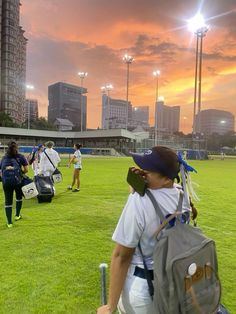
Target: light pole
128, 60
107, 88
82, 76
198, 26
156, 74
29, 87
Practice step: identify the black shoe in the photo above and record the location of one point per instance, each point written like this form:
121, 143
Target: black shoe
76, 190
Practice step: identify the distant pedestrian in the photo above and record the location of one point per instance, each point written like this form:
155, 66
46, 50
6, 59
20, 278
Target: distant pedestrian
222, 155
77, 161
45, 166
12, 166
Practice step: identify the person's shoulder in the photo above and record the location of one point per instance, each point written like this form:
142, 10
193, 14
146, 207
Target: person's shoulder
21, 157
137, 200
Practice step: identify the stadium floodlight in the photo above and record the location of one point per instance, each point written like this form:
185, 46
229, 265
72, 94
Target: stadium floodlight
196, 23
198, 26
29, 87
82, 76
128, 60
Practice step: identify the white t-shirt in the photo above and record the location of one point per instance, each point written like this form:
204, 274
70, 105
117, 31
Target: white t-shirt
77, 155
139, 222
46, 168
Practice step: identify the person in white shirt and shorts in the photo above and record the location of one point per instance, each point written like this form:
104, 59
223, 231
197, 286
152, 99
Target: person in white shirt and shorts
76, 160
138, 223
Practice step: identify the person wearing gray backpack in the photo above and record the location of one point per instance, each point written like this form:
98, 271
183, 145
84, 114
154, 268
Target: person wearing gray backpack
161, 264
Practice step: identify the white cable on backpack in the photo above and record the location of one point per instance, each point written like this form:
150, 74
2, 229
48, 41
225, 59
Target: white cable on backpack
185, 187
186, 180
190, 188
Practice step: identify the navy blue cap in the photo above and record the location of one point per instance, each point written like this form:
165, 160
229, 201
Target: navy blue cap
151, 160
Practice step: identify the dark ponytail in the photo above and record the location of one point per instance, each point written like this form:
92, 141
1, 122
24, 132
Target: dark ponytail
78, 146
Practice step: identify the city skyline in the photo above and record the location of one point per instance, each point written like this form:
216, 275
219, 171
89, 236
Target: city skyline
70, 36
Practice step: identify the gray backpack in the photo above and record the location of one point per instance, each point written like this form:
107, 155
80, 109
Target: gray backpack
185, 268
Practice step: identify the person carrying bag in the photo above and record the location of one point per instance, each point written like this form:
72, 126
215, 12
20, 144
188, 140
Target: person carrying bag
48, 163
56, 175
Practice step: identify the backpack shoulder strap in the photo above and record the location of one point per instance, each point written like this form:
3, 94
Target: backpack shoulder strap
49, 159
164, 222
162, 218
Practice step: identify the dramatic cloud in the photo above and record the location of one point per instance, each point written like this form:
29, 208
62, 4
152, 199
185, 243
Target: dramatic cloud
66, 36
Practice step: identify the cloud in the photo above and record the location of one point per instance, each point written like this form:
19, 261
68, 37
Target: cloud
68, 36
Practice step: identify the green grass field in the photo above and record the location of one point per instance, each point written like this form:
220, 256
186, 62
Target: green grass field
49, 260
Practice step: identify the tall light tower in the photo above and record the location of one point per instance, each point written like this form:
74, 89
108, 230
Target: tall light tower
156, 73
106, 89
128, 60
30, 88
197, 25
82, 76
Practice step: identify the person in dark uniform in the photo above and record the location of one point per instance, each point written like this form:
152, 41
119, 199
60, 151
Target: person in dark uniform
12, 166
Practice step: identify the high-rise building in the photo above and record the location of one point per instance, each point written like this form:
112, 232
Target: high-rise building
30, 110
114, 113
65, 102
13, 61
166, 118
140, 116
214, 121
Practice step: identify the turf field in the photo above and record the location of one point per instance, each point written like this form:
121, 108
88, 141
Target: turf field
49, 260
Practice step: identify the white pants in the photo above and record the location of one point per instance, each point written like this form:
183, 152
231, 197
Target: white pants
135, 298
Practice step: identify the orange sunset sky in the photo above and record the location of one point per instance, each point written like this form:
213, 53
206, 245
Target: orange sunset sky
67, 36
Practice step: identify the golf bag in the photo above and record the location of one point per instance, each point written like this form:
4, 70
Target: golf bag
45, 188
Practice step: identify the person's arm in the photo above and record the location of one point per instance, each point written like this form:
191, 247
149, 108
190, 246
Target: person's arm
24, 164
71, 160
58, 158
25, 169
120, 262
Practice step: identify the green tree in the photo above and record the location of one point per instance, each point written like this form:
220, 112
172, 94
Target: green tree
42, 124
217, 141
6, 120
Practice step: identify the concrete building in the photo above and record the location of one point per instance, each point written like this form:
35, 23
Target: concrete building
214, 121
114, 113
63, 124
166, 118
30, 110
13, 61
65, 102
140, 116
